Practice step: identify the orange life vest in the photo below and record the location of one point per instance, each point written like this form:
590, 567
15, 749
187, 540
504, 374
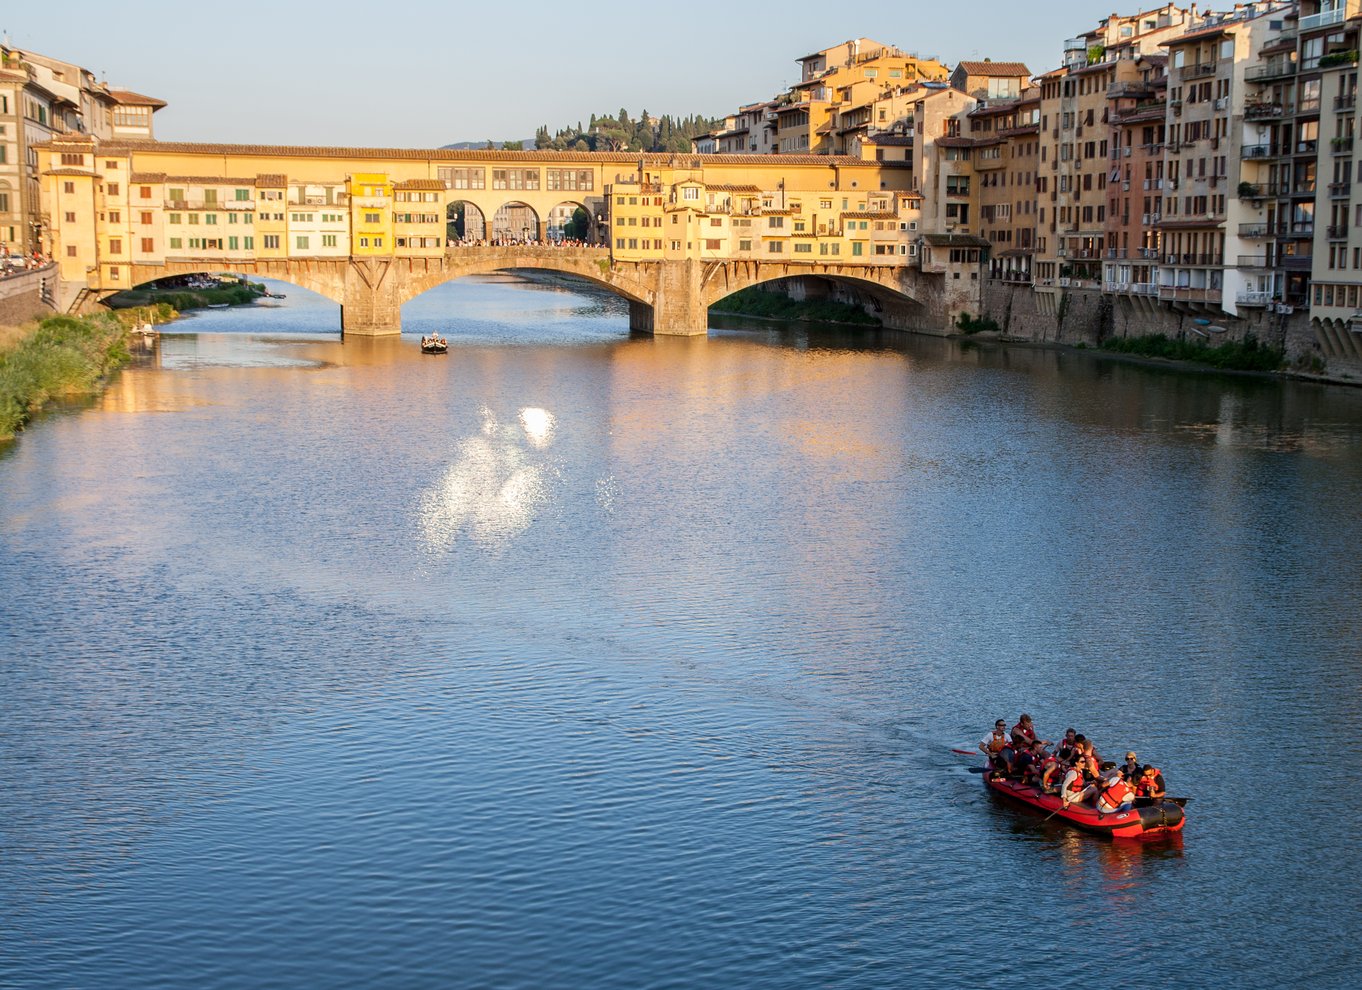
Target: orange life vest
997, 743
1077, 783
1146, 785
1117, 792
1028, 734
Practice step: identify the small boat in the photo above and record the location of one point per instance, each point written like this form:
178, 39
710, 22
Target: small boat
145, 329
217, 305
1149, 816
434, 344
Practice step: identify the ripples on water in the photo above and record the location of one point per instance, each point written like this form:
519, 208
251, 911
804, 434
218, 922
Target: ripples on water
578, 660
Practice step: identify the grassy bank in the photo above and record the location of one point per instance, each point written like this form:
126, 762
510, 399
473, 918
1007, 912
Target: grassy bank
776, 306
1246, 355
59, 357
183, 299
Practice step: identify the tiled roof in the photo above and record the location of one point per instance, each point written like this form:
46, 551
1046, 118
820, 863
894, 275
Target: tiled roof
271, 180
71, 171
862, 215
734, 189
889, 140
428, 184
995, 68
128, 98
447, 154
147, 177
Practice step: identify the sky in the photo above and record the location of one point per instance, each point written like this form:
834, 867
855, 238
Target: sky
422, 73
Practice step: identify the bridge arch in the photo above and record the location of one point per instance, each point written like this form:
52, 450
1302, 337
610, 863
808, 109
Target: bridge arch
326, 277
571, 220
465, 222
516, 222
892, 293
589, 264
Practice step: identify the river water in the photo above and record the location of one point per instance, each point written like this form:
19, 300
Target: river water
576, 660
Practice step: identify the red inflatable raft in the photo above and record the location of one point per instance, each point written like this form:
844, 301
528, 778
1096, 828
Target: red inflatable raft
1150, 816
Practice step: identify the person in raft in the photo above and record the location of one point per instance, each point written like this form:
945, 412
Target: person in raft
995, 744
1113, 793
1150, 784
1130, 769
1024, 734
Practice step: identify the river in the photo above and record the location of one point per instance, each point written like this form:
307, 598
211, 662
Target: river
572, 659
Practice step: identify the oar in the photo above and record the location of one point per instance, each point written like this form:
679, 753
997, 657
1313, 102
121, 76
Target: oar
965, 752
1052, 814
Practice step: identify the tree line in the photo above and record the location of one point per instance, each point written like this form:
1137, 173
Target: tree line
622, 132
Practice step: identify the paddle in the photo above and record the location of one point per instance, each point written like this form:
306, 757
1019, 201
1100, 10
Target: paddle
965, 752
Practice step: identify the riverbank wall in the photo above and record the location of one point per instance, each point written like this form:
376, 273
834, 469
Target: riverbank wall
28, 295
1091, 318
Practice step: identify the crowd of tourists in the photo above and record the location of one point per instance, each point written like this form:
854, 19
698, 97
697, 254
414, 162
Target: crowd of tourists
1069, 769
553, 242
14, 262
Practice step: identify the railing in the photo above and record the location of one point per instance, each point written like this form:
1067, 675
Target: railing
1339, 190
1253, 298
1193, 260
1342, 146
1252, 261
1327, 18
1265, 111
1249, 152
1186, 294
1338, 233
1307, 147
1273, 70
1197, 71
1255, 231
1345, 102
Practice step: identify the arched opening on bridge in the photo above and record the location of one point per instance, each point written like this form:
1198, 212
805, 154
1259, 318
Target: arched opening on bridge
831, 298
465, 223
571, 223
283, 304
516, 223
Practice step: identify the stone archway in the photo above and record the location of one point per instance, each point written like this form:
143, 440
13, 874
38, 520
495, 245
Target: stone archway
570, 221
465, 223
516, 223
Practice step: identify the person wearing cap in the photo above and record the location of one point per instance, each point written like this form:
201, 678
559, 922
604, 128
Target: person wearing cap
1130, 769
1113, 793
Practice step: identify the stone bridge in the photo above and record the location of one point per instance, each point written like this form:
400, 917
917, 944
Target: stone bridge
665, 297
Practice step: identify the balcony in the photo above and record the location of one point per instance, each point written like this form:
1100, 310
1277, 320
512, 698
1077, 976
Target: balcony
1253, 298
1151, 184
1255, 231
1170, 293
1340, 190
1265, 111
1341, 146
1252, 261
1272, 70
1252, 152
1328, 18
1337, 233
1197, 71
1347, 101
1189, 260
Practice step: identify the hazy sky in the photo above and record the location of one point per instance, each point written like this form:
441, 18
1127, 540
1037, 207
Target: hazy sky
423, 73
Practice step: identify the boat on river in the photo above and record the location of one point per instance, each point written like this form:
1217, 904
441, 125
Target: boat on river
1149, 816
434, 344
